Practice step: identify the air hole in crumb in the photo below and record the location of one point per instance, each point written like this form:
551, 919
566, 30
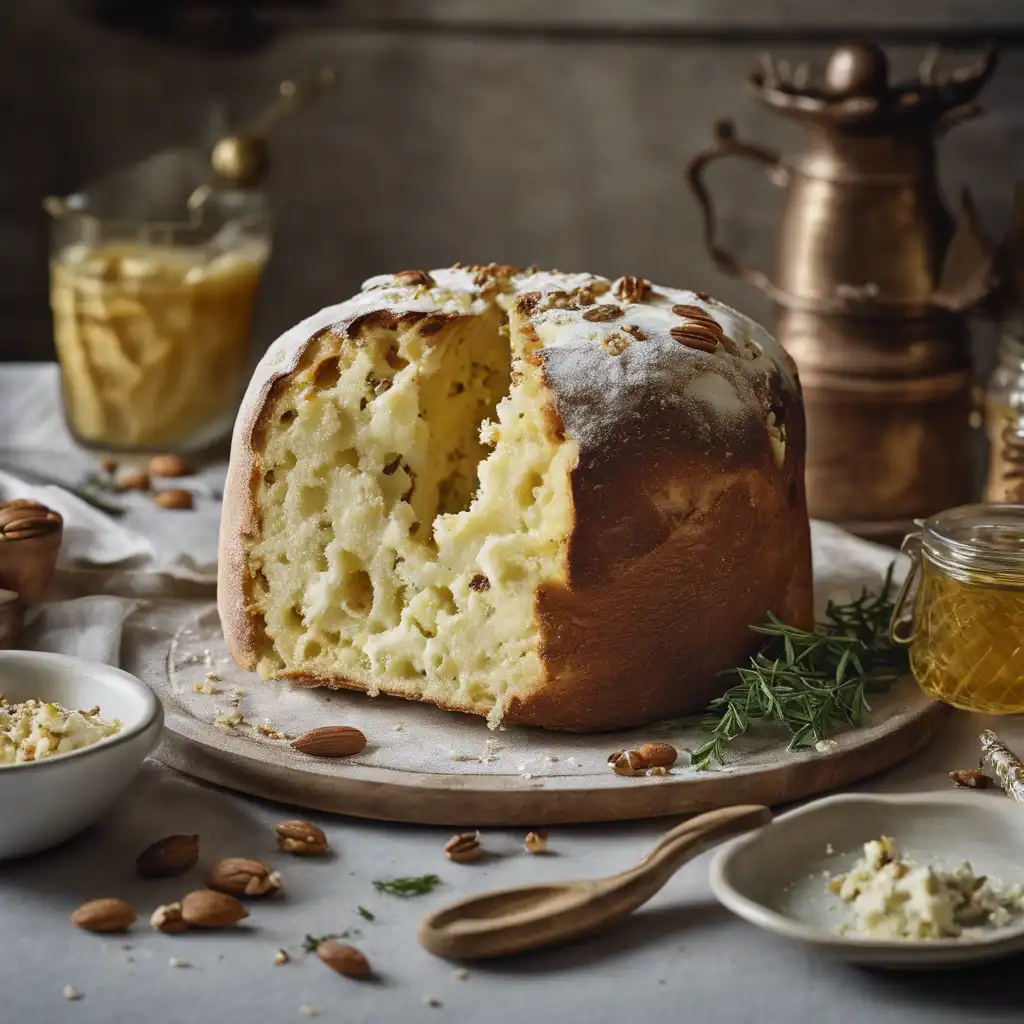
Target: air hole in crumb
293, 618
269, 477
322, 565
282, 558
358, 590
446, 600
288, 460
312, 499
344, 457
403, 667
288, 415
391, 463
395, 361
332, 636
524, 492
414, 528
327, 374
314, 649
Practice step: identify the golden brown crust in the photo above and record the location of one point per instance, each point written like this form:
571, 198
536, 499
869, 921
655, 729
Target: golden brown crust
672, 554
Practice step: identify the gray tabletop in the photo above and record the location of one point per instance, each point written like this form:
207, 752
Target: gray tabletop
682, 958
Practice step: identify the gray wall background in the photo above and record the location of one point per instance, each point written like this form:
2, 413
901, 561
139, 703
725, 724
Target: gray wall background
547, 131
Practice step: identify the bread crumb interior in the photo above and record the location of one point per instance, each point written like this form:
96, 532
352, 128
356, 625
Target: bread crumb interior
412, 497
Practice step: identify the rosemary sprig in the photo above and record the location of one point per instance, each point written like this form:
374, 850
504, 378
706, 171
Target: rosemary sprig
810, 683
416, 886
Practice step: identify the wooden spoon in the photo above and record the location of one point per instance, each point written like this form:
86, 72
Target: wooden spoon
531, 916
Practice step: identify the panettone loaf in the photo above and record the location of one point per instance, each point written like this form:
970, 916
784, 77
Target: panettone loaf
545, 498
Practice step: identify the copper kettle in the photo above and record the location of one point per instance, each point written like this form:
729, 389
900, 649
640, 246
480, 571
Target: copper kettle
872, 282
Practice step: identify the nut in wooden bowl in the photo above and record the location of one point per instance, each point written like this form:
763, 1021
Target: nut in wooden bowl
30, 536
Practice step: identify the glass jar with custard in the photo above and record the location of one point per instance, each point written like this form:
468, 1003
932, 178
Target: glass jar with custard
1004, 419
966, 628
152, 317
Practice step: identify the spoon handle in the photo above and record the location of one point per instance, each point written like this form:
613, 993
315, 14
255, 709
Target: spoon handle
532, 916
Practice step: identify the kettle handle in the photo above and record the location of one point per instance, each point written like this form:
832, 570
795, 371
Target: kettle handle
726, 144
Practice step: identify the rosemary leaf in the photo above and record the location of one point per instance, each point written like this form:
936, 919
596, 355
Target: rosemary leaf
415, 886
809, 683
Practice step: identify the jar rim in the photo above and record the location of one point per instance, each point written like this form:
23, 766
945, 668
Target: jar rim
987, 536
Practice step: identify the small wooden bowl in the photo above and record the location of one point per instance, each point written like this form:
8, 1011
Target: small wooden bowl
30, 536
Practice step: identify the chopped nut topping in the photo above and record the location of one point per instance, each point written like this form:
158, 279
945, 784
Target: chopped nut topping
300, 837
695, 336
464, 848
615, 344
414, 277
479, 582
635, 331
632, 289
603, 313
528, 302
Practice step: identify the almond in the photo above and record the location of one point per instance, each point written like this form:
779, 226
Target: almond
205, 908
344, 959
243, 877
168, 919
300, 837
168, 857
135, 480
175, 498
168, 465
331, 741
104, 915
659, 755
536, 842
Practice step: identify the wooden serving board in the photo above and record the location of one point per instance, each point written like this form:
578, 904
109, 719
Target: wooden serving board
434, 767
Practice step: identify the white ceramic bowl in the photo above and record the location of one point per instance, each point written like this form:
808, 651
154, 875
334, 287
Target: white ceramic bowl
776, 878
44, 802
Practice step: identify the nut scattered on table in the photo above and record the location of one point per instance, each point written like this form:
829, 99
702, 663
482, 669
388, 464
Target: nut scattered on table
281, 957
168, 465
241, 876
168, 919
330, 741
346, 960
301, 838
135, 480
628, 762
971, 778
168, 857
104, 915
659, 755
175, 498
656, 771
536, 842
464, 847
206, 908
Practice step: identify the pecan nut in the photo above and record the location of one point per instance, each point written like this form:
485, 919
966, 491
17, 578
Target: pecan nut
464, 848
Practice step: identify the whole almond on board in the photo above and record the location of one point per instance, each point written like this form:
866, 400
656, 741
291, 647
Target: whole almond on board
243, 877
205, 908
659, 755
135, 480
168, 919
300, 837
168, 857
175, 498
344, 959
331, 741
168, 465
464, 848
105, 915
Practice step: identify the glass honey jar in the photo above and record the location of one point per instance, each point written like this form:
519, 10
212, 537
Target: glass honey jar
966, 629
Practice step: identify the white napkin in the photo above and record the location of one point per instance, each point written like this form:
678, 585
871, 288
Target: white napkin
87, 627
91, 537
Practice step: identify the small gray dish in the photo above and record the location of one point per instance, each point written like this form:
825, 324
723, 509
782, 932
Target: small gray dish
777, 877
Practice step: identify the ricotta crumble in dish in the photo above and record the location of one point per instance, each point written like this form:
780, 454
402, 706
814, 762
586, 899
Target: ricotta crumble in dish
893, 897
33, 730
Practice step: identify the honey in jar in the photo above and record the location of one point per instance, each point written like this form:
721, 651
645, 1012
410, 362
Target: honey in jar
1004, 419
966, 633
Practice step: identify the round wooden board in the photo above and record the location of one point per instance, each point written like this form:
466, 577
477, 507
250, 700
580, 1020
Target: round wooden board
498, 800
434, 767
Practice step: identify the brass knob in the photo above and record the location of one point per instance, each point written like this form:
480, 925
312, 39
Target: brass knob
857, 69
241, 159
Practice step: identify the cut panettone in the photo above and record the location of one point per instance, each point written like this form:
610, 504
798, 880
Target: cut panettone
537, 497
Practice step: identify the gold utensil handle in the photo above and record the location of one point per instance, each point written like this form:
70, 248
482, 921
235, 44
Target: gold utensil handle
726, 144
293, 96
